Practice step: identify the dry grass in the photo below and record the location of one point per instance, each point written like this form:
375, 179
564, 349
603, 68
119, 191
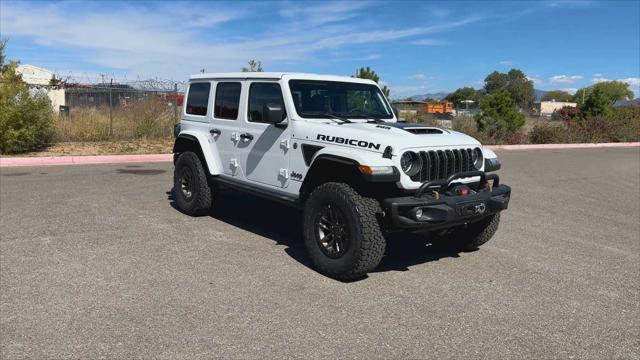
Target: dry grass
105, 148
151, 119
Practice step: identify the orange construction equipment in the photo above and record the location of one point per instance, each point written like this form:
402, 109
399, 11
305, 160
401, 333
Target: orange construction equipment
442, 107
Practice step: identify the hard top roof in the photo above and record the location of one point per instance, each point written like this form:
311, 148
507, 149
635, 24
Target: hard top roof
277, 75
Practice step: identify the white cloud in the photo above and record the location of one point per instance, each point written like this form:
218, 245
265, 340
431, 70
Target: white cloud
428, 42
418, 77
632, 81
598, 78
565, 79
407, 89
568, 3
571, 91
506, 62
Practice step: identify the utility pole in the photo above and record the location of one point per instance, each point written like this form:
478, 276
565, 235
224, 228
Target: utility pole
110, 108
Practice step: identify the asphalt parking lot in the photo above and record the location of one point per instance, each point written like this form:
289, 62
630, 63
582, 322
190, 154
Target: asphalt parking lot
96, 262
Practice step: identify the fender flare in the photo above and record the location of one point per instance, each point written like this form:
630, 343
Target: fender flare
211, 159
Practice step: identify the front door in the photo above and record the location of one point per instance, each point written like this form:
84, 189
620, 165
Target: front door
265, 146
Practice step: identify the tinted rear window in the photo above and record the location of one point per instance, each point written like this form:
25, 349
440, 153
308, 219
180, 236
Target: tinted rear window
198, 98
227, 100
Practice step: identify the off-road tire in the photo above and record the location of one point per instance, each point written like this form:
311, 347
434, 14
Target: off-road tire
472, 236
200, 200
366, 242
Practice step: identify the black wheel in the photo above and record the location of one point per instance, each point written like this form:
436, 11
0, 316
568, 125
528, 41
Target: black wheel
341, 231
191, 191
472, 236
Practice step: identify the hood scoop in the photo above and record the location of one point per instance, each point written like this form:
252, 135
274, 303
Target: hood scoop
416, 128
424, 130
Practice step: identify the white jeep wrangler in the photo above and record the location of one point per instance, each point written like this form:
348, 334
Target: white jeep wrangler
333, 147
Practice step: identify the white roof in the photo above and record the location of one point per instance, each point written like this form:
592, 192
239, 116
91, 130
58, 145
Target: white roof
278, 75
34, 75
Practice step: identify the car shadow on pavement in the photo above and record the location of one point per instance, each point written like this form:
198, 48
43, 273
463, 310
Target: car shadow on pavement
283, 224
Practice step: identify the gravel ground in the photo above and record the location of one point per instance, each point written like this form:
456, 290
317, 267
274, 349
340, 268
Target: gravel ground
96, 262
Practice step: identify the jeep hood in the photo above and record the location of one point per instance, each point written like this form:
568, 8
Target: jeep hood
400, 136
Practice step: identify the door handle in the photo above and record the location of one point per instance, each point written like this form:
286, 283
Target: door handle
246, 136
215, 132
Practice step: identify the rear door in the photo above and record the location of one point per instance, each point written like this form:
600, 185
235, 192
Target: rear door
265, 146
226, 124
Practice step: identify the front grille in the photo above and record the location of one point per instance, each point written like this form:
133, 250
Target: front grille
440, 164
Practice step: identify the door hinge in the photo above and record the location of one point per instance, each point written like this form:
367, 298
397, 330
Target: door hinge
235, 136
284, 173
285, 144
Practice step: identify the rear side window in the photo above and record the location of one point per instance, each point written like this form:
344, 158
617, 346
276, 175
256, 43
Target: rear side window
227, 100
198, 98
260, 94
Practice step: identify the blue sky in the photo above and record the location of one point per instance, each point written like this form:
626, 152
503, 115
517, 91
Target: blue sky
416, 46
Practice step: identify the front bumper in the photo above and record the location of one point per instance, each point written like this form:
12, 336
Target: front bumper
434, 209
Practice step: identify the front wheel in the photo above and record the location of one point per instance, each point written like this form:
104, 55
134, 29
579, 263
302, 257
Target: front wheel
191, 190
471, 236
341, 231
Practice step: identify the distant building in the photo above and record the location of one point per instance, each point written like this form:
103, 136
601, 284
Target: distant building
34, 76
39, 79
409, 109
548, 107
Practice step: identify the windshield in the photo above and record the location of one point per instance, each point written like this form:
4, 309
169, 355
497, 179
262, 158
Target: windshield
320, 99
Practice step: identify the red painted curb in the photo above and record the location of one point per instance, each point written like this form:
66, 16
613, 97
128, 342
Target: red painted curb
72, 160
118, 159
562, 146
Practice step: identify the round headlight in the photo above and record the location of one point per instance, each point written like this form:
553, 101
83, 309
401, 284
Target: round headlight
477, 158
410, 163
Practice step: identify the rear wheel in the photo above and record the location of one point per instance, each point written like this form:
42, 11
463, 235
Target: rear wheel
341, 231
191, 190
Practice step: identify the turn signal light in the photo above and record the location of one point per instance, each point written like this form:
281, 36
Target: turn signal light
375, 170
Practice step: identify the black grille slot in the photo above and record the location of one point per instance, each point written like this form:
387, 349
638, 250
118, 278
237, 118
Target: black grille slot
440, 164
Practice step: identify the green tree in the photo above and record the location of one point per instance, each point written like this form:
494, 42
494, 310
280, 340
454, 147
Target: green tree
495, 81
367, 73
465, 93
25, 120
520, 88
612, 90
597, 103
515, 82
254, 66
499, 117
557, 95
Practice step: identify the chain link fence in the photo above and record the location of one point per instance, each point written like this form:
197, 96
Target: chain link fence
116, 110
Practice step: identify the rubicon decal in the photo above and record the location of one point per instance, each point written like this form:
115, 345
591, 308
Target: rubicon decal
352, 142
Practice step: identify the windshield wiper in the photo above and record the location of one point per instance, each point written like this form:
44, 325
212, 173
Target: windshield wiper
343, 120
376, 120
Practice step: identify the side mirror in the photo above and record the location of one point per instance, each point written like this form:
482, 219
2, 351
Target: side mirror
272, 113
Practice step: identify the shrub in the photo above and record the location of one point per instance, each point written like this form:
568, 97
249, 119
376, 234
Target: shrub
25, 120
545, 133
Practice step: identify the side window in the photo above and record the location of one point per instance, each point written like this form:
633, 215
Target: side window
227, 100
198, 98
260, 94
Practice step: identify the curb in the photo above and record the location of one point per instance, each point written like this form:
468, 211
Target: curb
563, 146
75, 160
123, 159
